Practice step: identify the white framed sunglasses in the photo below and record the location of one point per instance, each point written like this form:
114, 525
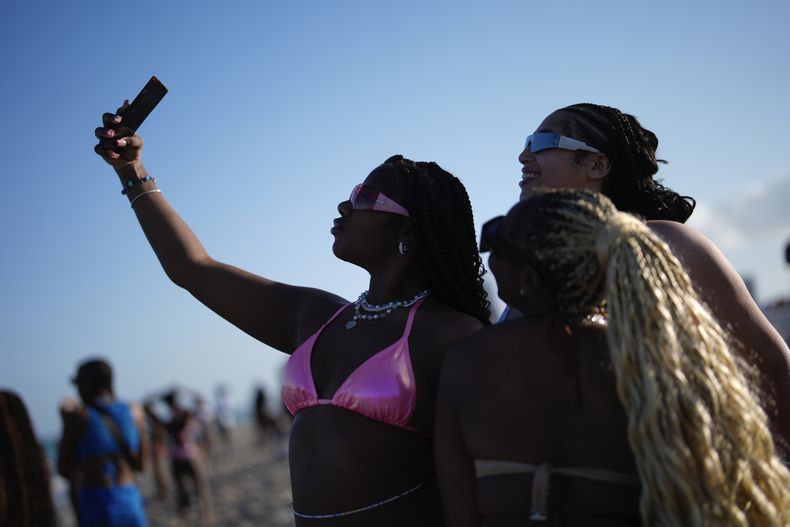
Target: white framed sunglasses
546, 140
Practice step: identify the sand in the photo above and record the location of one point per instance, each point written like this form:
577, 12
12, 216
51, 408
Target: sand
250, 484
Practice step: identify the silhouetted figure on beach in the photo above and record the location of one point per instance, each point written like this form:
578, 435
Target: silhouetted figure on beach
225, 416
160, 459
103, 444
266, 423
186, 457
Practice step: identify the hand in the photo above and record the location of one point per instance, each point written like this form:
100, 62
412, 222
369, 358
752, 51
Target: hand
118, 146
68, 408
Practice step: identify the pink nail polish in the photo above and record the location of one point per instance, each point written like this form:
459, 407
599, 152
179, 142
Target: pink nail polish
117, 118
115, 155
110, 133
121, 142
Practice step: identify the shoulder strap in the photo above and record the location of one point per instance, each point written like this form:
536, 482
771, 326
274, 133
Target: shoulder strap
412, 313
112, 426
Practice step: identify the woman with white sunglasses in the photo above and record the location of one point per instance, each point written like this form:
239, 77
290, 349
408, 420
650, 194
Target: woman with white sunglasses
599, 148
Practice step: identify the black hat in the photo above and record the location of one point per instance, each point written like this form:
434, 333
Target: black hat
96, 373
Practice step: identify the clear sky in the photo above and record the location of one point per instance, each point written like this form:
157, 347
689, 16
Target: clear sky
276, 109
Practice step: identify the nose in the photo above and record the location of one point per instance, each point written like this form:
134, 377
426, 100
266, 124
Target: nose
525, 156
344, 208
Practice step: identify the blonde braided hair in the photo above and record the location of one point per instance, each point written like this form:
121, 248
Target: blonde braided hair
701, 441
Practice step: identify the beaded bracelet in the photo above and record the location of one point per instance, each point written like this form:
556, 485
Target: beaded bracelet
132, 182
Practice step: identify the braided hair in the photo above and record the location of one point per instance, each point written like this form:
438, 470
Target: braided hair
700, 438
25, 496
441, 212
631, 149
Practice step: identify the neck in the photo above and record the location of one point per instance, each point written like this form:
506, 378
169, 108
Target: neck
536, 307
392, 287
101, 396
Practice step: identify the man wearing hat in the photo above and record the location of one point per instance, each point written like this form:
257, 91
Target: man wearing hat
103, 444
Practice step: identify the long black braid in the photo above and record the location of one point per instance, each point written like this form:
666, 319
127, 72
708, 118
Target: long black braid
632, 151
445, 235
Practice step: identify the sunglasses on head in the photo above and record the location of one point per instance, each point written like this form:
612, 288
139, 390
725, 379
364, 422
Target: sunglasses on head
545, 140
492, 240
364, 197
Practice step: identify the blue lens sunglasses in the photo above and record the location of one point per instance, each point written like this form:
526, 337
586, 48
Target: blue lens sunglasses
545, 140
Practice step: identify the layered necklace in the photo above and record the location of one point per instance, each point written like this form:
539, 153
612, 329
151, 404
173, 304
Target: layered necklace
363, 310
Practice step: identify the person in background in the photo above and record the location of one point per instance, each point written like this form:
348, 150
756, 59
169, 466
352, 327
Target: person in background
225, 416
103, 445
160, 459
186, 456
205, 418
265, 423
554, 417
599, 148
25, 488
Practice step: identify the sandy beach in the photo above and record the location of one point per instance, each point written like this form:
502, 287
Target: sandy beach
250, 484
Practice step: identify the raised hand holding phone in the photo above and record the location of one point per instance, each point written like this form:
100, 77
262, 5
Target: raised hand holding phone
120, 147
142, 105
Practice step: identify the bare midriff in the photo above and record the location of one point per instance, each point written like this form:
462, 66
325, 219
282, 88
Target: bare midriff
342, 461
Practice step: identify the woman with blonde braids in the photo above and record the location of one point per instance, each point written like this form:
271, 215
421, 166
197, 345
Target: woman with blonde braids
649, 419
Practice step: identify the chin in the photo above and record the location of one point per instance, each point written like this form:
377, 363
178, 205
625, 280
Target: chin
529, 190
337, 250
342, 253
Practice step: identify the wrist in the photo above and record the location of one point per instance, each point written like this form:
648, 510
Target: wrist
133, 172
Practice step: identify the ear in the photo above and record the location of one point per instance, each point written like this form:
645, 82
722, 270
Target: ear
406, 233
598, 165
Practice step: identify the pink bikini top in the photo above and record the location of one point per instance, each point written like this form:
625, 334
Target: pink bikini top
381, 388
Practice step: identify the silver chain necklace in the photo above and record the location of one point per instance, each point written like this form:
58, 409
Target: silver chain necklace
374, 311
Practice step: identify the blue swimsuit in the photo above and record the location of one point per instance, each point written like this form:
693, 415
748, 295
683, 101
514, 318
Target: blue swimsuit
117, 505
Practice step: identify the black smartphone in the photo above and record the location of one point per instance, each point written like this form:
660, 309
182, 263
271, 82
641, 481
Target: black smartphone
143, 104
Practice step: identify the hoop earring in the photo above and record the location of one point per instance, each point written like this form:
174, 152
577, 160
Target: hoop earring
402, 248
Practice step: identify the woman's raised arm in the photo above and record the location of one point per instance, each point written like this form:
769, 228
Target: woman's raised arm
277, 314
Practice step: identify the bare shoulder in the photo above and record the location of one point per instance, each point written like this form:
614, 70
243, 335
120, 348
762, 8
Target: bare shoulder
722, 288
685, 241
458, 365
472, 352
438, 327
704, 262
444, 325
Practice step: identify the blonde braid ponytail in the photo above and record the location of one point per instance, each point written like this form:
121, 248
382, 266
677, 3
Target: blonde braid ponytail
700, 439
703, 448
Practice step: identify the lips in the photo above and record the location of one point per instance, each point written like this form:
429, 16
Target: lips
336, 226
528, 177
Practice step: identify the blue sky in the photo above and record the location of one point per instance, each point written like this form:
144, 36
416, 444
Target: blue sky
276, 109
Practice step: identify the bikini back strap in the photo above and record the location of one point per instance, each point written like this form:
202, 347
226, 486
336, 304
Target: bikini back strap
541, 479
540, 492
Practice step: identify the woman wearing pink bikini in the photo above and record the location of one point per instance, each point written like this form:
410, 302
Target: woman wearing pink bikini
362, 375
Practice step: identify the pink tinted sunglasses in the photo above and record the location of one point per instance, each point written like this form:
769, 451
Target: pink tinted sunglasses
364, 197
